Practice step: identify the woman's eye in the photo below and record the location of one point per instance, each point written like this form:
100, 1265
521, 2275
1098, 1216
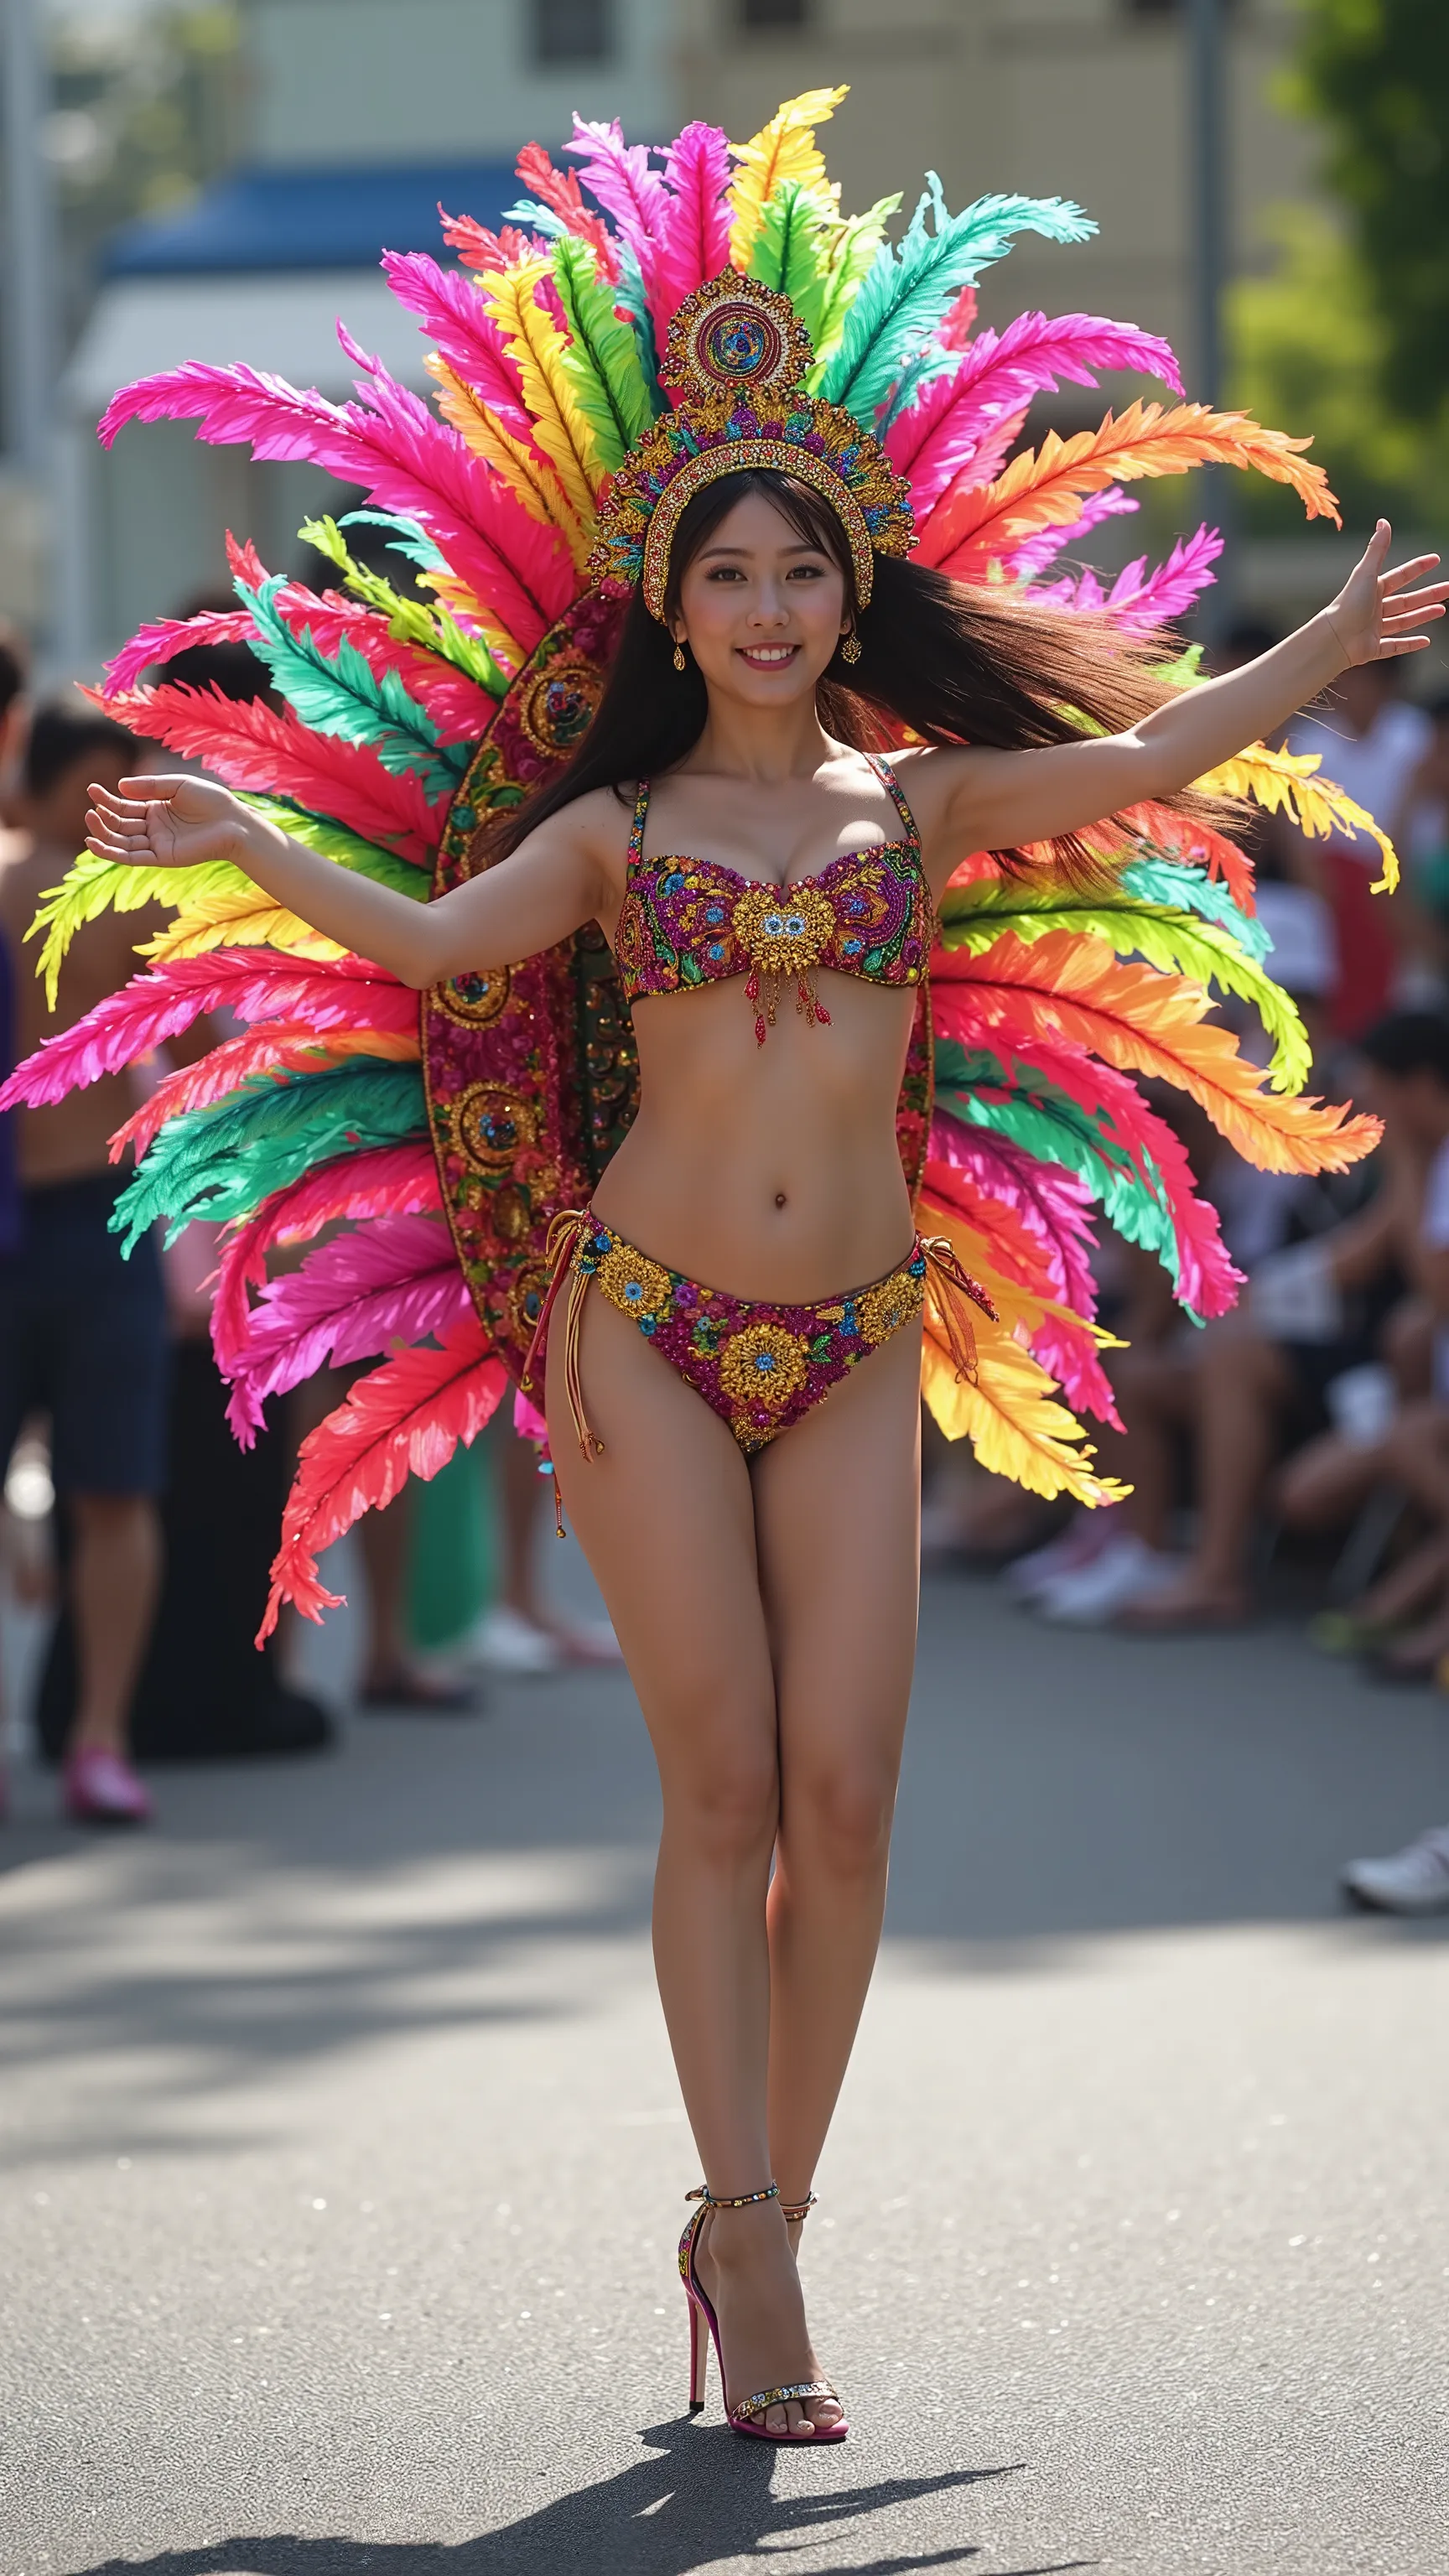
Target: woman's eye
724, 572
807, 572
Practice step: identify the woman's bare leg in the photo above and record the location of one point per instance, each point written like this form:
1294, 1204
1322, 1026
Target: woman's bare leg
837, 1510
666, 1519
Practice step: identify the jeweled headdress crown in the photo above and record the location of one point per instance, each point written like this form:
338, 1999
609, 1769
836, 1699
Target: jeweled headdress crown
736, 357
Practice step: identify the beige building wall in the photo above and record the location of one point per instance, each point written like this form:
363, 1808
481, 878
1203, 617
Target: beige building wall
1073, 98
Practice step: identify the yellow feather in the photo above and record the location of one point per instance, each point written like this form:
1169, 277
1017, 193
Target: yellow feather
1012, 1415
240, 918
536, 346
783, 149
455, 594
530, 478
1288, 782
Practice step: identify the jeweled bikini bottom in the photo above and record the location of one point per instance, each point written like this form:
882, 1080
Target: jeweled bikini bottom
757, 1363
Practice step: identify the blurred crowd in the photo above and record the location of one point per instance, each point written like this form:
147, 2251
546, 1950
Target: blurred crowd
1296, 1449
130, 1511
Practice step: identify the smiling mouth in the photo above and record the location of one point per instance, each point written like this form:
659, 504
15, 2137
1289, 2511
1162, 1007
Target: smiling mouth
767, 657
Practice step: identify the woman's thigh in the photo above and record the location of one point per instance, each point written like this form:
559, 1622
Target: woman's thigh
837, 1521
665, 1516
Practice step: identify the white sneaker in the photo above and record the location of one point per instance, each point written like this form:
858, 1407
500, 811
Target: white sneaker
1071, 1552
1412, 1881
505, 1642
1126, 1570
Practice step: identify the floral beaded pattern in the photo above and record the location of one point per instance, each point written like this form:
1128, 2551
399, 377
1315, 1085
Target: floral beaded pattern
760, 1366
687, 922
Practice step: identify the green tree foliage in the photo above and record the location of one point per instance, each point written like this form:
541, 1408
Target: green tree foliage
1376, 74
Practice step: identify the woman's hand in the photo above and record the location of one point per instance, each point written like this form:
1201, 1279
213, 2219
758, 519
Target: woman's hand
1376, 616
167, 822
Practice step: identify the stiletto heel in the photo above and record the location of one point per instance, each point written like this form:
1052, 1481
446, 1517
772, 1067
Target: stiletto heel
703, 2323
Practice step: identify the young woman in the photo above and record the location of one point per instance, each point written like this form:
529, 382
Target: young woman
764, 1589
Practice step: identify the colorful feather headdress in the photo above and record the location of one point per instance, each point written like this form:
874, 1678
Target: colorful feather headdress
444, 1130
738, 357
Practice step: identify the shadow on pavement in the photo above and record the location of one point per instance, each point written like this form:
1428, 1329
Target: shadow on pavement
701, 2497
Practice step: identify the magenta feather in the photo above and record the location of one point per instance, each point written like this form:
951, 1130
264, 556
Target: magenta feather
618, 175
383, 1181
408, 460
459, 324
1036, 552
395, 1280
694, 231
1063, 1343
253, 746
1052, 1207
955, 417
1137, 598
171, 635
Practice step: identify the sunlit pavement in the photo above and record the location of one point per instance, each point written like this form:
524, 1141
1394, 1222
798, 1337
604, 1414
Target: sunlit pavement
342, 2173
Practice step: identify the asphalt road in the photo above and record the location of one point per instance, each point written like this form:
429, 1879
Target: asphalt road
340, 2169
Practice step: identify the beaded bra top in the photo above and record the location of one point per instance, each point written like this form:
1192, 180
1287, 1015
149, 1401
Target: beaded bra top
686, 922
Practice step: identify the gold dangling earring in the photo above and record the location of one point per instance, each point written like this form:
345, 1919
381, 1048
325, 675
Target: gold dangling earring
680, 663
850, 649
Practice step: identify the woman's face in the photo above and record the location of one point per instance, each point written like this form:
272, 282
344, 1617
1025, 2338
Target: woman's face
760, 607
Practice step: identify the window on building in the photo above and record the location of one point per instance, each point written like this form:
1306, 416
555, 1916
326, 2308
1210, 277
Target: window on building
762, 17
572, 31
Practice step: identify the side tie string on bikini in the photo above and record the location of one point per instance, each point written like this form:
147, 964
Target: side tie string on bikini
565, 1234
954, 1292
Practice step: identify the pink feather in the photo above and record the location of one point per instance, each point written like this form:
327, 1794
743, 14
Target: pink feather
408, 460
172, 635
940, 435
618, 174
382, 1181
694, 237
477, 247
1140, 598
960, 322
405, 1418
460, 325
393, 1281
1035, 553
255, 747
1063, 1344
1051, 1207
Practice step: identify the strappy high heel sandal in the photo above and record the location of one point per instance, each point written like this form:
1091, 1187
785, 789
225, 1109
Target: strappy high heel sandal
704, 2330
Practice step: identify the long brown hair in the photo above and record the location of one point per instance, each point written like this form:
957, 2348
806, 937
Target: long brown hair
951, 664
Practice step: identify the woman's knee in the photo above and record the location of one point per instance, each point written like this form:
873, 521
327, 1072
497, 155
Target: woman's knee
840, 1816
724, 1793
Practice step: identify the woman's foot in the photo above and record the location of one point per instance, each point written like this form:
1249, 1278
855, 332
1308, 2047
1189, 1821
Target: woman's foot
1183, 1608
100, 1788
747, 2272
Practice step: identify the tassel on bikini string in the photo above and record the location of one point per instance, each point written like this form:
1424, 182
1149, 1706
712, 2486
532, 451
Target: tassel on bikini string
954, 1287
560, 1246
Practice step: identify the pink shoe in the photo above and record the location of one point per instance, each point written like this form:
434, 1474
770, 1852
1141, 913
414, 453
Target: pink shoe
102, 1789
746, 2417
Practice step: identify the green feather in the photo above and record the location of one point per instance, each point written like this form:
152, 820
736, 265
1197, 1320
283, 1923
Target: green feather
221, 1161
602, 357
1175, 941
93, 886
334, 841
1051, 1126
853, 246
340, 694
909, 291
410, 621
792, 249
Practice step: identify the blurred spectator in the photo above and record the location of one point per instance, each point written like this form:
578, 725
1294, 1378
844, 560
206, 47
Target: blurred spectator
82, 1332
1404, 1446
1420, 910
1372, 743
522, 1634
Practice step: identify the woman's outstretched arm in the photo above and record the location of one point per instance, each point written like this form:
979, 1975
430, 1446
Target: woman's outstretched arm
553, 882
998, 800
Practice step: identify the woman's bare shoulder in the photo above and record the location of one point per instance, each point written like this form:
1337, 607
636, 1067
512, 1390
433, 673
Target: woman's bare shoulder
594, 826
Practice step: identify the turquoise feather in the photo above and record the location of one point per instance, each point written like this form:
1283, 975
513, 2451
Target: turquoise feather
1169, 883
222, 1161
1055, 1129
629, 292
907, 292
341, 694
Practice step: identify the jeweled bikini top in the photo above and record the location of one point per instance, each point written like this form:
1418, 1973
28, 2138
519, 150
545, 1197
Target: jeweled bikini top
686, 922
